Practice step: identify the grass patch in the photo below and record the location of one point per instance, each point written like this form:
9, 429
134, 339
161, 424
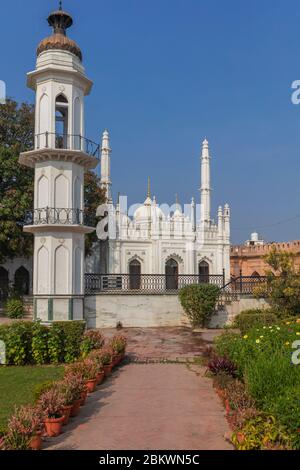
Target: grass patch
17, 385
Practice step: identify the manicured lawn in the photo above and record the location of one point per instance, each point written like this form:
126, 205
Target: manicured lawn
17, 386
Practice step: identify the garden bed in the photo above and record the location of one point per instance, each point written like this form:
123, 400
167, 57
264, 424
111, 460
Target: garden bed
259, 385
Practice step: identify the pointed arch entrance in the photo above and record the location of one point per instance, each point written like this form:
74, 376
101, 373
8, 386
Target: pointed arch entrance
22, 281
135, 269
4, 283
203, 272
172, 274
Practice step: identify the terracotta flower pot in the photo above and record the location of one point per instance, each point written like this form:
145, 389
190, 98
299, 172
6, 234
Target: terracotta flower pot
66, 410
107, 369
99, 378
91, 385
36, 441
83, 397
75, 408
53, 426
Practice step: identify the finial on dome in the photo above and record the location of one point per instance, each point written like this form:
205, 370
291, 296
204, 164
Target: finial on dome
205, 142
60, 6
149, 188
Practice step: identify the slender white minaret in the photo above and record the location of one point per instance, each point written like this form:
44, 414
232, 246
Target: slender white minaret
60, 157
226, 218
105, 165
205, 183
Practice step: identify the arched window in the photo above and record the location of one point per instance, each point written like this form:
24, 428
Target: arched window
61, 122
203, 272
4, 283
135, 274
172, 274
22, 281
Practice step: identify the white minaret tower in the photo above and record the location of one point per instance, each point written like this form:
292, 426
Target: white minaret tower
205, 183
60, 157
105, 166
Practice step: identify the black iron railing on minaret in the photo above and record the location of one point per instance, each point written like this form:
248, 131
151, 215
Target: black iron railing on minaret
57, 216
48, 140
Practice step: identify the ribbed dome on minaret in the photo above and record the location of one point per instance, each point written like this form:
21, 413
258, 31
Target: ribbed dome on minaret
60, 21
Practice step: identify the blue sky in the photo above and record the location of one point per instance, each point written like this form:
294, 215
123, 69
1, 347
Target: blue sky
166, 74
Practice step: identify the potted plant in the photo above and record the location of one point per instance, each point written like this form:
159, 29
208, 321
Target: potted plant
71, 394
24, 430
118, 345
96, 357
78, 390
87, 370
93, 339
90, 374
106, 357
51, 404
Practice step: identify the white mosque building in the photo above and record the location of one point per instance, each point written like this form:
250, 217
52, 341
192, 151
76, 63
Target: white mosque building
155, 240
151, 241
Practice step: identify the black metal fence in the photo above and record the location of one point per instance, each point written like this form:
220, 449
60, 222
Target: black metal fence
145, 283
67, 142
245, 285
58, 216
134, 284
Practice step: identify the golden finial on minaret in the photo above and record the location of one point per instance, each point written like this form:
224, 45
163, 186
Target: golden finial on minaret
149, 188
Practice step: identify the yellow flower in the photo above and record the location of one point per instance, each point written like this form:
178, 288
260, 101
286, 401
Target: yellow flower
278, 328
298, 321
264, 327
298, 333
257, 341
287, 343
261, 336
246, 336
288, 323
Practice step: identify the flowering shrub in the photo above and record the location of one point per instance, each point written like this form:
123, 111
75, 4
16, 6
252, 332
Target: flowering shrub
106, 356
118, 344
263, 359
71, 388
86, 369
222, 364
93, 339
249, 319
51, 403
22, 426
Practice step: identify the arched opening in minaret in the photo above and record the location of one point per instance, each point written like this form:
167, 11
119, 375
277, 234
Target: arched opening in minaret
4, 283
135, 269
203, 272
61, 122
172, 274
22, 281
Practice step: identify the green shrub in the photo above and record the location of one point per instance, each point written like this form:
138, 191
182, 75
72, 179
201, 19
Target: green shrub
199, 302
14, 308
56, 344
39, 345
262, 433
72, 335
248, 319
286, 409
17, 338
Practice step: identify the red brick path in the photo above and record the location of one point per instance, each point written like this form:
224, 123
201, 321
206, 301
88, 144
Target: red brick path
151, 406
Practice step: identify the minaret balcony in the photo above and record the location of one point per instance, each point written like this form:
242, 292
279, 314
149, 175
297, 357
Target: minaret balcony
62, 147
57, 219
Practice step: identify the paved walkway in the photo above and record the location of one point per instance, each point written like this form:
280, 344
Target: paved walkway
148, 406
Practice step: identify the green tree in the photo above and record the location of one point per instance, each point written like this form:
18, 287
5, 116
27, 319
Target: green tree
283, 283
17, 182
